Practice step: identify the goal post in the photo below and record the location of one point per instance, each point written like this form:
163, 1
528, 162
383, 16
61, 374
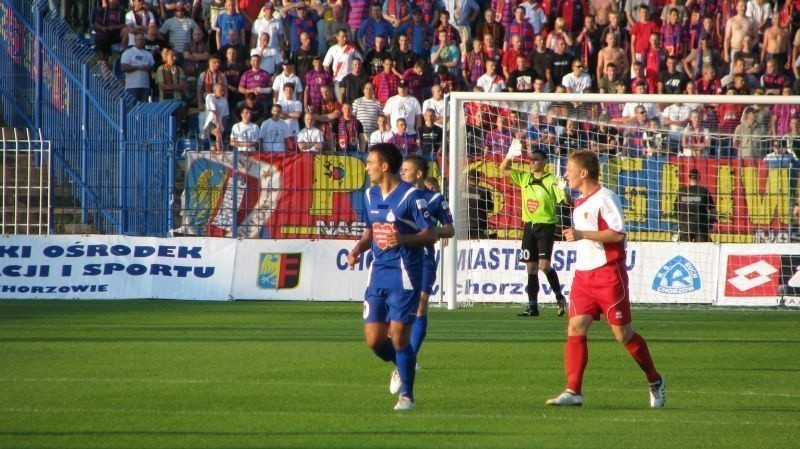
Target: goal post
750, 172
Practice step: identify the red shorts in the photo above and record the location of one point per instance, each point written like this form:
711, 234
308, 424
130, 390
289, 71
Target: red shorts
602, 290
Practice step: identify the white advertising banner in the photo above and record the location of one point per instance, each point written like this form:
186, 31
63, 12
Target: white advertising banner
115, 267
296, 270
203, 268
658, 272
759, 275
672, 272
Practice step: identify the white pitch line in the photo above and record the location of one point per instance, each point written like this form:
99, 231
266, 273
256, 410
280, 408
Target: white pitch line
662, 419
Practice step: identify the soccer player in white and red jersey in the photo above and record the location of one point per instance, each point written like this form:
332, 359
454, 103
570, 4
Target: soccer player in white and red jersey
600, 284
399, 226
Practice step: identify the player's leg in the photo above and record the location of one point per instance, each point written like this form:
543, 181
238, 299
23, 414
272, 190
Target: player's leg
529, 252
576, 358
403, 305
545, 242
420, 328
376, 326
582, 311
618, 313
576, 351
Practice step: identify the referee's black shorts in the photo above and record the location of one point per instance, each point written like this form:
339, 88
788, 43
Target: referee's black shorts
537, 241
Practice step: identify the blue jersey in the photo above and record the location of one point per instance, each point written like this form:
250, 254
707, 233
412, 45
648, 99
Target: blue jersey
405, 211
440, 211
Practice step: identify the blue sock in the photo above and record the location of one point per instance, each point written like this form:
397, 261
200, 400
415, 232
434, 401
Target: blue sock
406, 361
386, 352
418, 332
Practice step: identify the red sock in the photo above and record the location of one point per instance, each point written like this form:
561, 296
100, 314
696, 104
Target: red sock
576, 357
638, 349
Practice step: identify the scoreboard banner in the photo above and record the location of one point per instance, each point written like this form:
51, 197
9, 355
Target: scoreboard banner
205, 268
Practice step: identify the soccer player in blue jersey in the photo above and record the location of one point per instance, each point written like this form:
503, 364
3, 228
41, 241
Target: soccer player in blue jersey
399, 226
414, 171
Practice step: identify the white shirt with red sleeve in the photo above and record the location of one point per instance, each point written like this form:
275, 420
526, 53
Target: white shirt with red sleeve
600, 210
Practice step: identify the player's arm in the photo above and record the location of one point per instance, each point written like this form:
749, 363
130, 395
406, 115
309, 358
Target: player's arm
419, 213
424, 237
561, 191
514, 150
445, 231
361, 246
604, 236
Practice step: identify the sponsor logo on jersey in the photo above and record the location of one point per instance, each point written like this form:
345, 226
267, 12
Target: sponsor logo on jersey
752, 275
278, 270
678, 276
381, 233
422, 205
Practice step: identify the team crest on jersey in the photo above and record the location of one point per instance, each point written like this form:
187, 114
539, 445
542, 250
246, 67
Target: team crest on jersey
381, 233
533, 205
390, 217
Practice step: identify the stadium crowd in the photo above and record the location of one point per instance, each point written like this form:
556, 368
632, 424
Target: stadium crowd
337, 75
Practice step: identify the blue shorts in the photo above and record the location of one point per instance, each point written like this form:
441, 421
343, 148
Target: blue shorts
429, 268
382, 305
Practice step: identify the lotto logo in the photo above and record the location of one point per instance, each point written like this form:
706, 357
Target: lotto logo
753, 275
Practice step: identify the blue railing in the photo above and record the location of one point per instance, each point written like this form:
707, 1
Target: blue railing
114, 159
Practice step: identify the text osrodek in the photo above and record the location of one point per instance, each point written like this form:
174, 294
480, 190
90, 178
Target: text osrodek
53, 251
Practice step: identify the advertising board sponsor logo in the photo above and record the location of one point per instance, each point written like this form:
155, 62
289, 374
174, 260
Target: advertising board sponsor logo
678, 276
752, 275
278, 270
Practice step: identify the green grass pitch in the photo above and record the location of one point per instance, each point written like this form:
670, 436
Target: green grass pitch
172, 374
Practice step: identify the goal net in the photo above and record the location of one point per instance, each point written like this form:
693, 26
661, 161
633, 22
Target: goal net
655, 151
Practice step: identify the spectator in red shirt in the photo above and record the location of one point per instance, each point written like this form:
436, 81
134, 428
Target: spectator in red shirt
640, 33
640, 76
709, 83
472, 64
509, 62
654, 58
416, 80
386, 82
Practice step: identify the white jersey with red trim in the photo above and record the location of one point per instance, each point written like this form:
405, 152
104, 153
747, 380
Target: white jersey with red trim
600, 210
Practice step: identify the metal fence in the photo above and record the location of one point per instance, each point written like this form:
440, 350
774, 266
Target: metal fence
113, 160
25, 185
